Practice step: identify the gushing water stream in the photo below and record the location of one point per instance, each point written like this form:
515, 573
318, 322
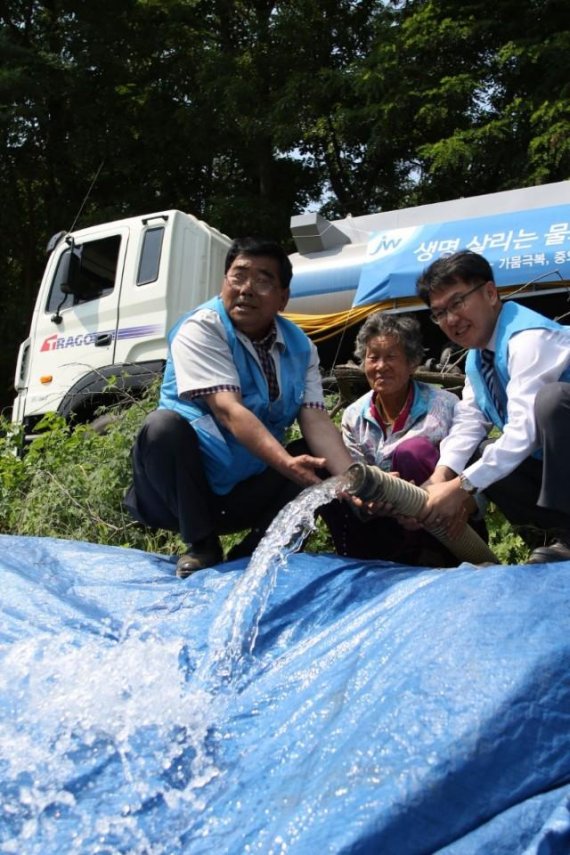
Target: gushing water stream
126, 716
233, 635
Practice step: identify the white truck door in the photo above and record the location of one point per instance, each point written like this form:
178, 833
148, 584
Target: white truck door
74, 334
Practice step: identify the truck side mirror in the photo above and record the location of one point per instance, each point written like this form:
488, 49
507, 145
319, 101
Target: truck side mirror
69, 271
54, 240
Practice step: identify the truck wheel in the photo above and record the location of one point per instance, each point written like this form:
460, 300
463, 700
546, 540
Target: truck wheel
102, 423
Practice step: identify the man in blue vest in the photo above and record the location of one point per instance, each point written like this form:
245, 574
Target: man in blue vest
517, 378
211, 460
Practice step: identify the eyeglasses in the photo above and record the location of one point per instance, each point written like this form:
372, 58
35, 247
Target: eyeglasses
455, 305
259, 282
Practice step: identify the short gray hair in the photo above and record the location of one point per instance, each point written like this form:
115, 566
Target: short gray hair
403, 328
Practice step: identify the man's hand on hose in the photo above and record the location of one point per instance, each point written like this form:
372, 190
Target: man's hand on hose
447, 507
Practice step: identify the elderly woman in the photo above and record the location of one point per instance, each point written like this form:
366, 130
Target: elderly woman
398, 426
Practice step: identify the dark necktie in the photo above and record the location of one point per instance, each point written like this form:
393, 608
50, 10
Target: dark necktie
263, 349
490, 377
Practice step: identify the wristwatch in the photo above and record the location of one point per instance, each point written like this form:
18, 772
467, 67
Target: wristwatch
466, 485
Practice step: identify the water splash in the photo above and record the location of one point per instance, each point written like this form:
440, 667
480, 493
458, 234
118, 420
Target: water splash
233, 635
77, 722
128, 722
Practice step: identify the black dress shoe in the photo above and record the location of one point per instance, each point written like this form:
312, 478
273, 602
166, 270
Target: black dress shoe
558, 550
200, 555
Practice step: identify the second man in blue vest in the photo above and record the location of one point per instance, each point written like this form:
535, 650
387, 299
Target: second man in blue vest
517, 378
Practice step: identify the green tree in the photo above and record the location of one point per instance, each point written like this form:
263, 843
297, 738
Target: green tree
483, 90
92, 89
244, 112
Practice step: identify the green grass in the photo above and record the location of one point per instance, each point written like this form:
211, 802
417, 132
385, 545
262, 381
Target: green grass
70, 484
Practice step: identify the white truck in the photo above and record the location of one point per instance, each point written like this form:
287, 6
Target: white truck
110, 293
108, 297
346, 269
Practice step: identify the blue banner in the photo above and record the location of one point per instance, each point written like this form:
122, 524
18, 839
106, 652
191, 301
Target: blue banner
521, 246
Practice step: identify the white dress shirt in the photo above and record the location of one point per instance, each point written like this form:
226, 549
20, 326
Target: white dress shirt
535, 357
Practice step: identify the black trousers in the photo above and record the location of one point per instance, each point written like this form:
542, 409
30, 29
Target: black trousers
170, 489
383, 538
537, 492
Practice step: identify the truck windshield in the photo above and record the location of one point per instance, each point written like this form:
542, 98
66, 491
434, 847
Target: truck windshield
95, 273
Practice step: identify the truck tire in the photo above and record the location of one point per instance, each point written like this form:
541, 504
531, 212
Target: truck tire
102, 423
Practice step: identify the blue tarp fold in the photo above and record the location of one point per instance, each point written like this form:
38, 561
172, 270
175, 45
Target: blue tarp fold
383, 709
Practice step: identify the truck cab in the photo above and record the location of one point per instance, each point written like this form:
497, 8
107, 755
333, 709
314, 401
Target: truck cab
107, 299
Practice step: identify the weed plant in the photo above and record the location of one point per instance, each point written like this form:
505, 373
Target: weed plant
70, 484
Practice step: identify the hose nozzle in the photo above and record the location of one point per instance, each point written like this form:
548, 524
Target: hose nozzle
361, 481
372, 484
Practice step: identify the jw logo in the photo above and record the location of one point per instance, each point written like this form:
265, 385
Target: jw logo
390, 242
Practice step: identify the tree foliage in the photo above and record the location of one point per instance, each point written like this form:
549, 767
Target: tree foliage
70, 484
244, 112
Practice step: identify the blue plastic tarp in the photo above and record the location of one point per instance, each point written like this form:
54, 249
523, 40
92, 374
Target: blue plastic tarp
521, 246
382, 709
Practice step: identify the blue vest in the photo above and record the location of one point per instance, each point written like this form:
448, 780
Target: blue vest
513, 319
226, 461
